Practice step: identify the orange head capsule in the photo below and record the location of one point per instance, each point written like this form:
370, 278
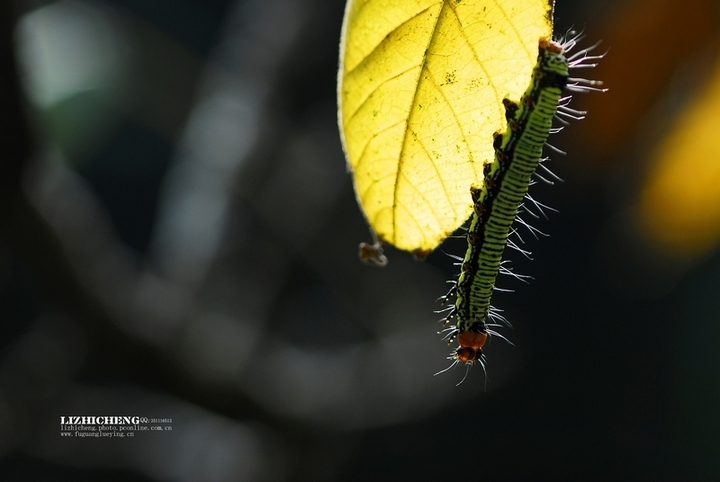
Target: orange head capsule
467, 354
471, 343
472, 339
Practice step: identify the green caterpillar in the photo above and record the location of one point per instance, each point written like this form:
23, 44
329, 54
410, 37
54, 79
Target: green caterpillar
518, 152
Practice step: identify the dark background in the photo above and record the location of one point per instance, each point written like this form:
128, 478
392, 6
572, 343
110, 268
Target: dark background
179, 238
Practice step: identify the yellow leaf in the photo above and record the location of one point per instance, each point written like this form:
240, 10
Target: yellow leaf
679, 205
420, 92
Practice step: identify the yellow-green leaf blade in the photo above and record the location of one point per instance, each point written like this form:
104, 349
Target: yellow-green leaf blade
420, 89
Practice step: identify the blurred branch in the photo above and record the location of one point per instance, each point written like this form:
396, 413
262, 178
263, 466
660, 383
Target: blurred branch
36, 243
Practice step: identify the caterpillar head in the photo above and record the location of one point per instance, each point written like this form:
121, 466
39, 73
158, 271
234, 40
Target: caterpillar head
467, 354
471, 343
